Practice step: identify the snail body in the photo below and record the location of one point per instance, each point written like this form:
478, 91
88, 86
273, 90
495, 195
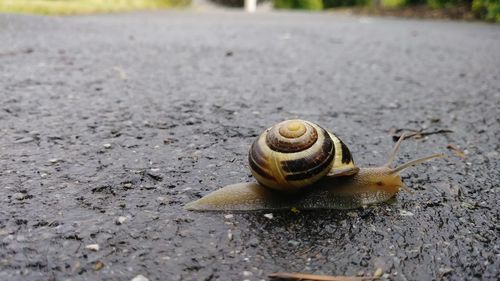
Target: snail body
298, 164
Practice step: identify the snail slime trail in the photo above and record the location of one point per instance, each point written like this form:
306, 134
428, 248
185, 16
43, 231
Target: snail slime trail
298, 164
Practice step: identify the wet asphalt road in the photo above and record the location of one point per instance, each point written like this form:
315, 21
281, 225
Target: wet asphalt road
110, 123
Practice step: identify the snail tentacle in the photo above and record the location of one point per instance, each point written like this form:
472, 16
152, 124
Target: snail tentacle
416, 162
395, 150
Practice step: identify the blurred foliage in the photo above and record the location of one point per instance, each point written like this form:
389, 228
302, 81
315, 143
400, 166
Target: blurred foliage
487, 9
393, 3
343, 3
447, 3
481, 9
313, 5
414, 2
435, 4
65, 7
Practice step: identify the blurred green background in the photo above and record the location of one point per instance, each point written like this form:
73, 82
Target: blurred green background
480, 9
67, 7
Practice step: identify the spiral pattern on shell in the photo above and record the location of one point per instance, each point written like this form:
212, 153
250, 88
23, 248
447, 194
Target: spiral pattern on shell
295, 154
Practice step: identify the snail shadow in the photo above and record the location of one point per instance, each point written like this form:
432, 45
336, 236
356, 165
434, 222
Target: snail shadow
322, 238
311, 225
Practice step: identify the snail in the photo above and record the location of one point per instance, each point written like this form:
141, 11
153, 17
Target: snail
298, 164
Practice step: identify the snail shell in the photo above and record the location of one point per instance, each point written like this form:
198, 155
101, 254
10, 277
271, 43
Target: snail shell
295, 154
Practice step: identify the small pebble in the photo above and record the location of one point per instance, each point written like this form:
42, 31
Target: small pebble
53, 160
19, 196
254, 242
161, 199
247, 273
196, 155
92, 247
228, 216
120, 220
378, 273
293, 243
393, 105
140, 278
107, 145
446, 270
20, 238
405, 213
493, 154
155, 175
269, 216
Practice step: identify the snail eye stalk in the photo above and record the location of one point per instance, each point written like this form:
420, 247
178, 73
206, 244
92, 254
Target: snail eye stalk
400, 168
416, 162
395, 150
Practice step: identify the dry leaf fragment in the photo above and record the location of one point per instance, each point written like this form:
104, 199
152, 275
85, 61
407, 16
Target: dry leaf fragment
456, 151
416, 134
98, 265
121, 72
314, 277
379, 272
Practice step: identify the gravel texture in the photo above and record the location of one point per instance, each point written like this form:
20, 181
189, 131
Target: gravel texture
109, 124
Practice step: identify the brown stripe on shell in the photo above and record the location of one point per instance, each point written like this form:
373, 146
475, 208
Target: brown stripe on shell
257, 161
257, 154
301, 168
260, 171
346, 154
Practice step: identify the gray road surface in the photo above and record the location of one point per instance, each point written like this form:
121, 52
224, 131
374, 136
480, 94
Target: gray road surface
110, 123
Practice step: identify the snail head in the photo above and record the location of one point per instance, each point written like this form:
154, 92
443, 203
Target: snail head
389, 178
